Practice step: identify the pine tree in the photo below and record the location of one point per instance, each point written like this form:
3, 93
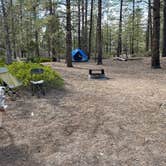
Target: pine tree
68, 35
156, 35
99, 33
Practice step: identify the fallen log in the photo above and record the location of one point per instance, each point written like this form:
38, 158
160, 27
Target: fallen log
120, 59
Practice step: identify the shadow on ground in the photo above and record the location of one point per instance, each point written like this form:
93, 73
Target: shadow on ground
12, 154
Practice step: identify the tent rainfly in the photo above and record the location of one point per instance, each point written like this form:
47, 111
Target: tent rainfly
79, 55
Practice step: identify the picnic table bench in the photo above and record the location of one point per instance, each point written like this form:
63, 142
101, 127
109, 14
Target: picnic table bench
96, 73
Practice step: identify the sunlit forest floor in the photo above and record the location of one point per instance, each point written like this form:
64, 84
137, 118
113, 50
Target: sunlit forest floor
116, 122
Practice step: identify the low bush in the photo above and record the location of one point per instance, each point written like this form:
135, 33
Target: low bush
2, 62
22, 72
39, 59
45, 59
33, 59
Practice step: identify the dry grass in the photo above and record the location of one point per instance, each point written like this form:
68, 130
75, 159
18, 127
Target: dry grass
116, 122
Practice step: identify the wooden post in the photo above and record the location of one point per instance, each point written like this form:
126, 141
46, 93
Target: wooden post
2, 111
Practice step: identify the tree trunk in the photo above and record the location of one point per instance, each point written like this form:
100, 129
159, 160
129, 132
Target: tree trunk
119, 49
133, 29
50, 32
79, 25
83, 26
147, 30
50, 8
13, 29
68, 35
21, 30
7, 37
86, 27
99, 33
107, 42
156, 35
110, 42
37, 43
49, 48
151, 27
90, 30
164, 30
36, 32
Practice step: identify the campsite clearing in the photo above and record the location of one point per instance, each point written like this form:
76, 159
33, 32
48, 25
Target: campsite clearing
116, 122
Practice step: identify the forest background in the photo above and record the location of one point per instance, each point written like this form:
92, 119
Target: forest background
37, 28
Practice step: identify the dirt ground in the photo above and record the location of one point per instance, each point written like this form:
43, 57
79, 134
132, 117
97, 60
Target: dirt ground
120, 121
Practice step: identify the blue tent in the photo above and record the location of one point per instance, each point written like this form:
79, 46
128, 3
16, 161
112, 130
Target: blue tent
79, 56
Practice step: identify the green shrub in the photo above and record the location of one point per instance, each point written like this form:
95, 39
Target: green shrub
22, 71
45, 59
33, 59
39, 59
2, 62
